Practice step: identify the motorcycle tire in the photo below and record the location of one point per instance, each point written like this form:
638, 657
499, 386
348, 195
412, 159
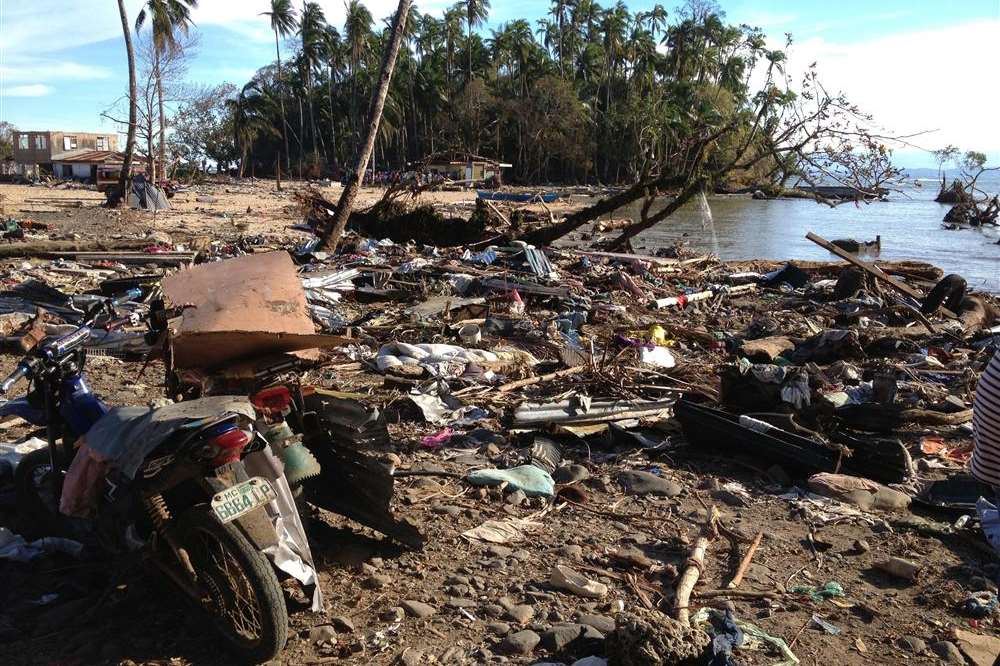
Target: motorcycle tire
36, 505
256, 627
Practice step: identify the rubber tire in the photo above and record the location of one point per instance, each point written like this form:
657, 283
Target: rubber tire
35, 514
259, 573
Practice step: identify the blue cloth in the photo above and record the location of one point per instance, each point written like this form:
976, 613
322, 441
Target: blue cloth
727, 637
534, 481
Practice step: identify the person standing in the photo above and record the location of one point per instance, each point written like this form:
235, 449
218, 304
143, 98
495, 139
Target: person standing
985, 463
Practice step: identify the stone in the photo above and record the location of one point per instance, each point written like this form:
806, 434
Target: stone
342, 624
447, 510
520, 613
631, 557
602, 623
571, 474
410, 657
644, 483
498, 551
459, 602
516, 498
911, 644
323, 634
417, 609
377, 581
948, 651
394, 614
559, 636
498, 628
522, 642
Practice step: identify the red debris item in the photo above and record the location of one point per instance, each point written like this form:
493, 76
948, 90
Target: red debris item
273, 400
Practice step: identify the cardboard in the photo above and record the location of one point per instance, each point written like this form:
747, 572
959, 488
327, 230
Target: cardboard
243, 307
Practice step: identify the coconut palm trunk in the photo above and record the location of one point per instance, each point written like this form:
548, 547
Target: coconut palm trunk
330, 236
281, 100
130, 139
163, 121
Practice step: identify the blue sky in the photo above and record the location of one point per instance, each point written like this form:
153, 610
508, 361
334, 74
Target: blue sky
918, 66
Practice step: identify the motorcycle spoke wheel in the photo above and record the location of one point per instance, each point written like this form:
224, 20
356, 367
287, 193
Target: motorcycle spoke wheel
243, 593
232, 594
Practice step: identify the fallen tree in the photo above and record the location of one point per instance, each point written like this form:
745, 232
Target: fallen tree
807, 134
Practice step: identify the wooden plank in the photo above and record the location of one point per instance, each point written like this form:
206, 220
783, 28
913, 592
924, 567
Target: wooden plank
872, 270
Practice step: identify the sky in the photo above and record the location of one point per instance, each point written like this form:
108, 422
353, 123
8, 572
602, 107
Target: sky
917, 66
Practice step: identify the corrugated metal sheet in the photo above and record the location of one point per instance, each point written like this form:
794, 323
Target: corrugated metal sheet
539, 263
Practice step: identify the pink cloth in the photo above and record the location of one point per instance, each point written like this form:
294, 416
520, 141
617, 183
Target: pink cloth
83, 482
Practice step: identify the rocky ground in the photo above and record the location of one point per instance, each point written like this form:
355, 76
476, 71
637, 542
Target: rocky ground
625, 520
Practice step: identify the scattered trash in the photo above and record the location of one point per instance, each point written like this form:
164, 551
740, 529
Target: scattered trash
564, 578
533, 481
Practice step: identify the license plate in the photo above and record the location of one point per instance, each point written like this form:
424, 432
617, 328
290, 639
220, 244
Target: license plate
242, 498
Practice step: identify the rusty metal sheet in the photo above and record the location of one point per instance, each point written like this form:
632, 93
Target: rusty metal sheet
245, 306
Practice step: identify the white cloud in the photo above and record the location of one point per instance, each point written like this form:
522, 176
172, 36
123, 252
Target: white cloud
30, 90
21, 68
52, 25
917, 81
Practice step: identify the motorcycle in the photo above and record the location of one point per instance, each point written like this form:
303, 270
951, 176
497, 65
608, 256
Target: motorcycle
186, 499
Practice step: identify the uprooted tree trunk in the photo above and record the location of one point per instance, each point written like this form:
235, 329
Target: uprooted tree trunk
691, 182
330, 236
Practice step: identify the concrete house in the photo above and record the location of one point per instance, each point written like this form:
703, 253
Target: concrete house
69, 155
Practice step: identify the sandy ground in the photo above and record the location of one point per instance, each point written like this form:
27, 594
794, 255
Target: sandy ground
479, 593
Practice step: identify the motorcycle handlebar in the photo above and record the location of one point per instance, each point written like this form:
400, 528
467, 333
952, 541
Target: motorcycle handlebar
13, 378
130, 295
69, 342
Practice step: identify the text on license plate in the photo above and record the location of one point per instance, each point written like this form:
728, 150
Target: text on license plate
235, 501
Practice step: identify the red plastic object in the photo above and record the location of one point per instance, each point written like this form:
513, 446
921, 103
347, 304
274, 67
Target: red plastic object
229, 445
275, 399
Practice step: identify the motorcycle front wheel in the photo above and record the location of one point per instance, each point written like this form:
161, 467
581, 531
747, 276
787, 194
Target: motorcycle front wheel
36, 493
245, 597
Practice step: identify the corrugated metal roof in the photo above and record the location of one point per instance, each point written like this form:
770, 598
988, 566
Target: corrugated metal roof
89, 156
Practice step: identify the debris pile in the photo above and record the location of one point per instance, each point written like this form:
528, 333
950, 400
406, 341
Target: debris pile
608, 457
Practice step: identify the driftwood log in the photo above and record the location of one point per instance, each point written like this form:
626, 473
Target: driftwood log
695, 564
46, 248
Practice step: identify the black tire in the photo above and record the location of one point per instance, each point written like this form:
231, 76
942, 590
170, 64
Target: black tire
206, 539
37, 497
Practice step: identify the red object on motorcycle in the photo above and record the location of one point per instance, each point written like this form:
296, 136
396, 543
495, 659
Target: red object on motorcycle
229, 445
276, 399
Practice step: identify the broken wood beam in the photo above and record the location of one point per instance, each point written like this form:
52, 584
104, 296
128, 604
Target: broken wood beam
874, 271
745, 562
49, 248
506, 388
695, 564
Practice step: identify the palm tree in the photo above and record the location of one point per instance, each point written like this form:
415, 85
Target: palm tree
130, 139
282, 17
166, 16
453, 31
559, 12
476, 12
250, 112
333, 48
331, 236
312, 30
357, 36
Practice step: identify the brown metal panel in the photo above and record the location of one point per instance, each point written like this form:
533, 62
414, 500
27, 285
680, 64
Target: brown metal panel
247, 306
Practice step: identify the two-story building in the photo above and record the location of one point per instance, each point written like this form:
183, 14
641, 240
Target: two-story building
69, 155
